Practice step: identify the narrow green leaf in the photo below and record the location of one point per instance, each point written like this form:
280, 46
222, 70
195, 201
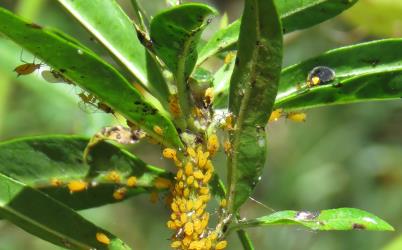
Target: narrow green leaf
114, 29
91, 73
220, 41
325, 220
295, 15
49, 163
371, 87
253, 88
175, 33
301, 14
49, 219
363, 72
221, 85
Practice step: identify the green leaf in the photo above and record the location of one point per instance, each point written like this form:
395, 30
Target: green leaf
301, 14
49, 219
295, 15
48, 159
367, 71
175, 33
221, 85
253, 88
325, 220
371, 87
90, 72
114, 29
220, 41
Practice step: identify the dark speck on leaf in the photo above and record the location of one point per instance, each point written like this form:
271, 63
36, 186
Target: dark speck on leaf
372, 62
35, 26
358, 226
337, 85
237, 61
62, 70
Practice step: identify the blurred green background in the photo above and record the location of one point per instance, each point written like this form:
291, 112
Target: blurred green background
344, 156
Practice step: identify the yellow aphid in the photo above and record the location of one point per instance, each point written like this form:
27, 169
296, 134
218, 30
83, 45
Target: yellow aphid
102, 238
186, 193
227, 146
178, 223
170, 224
209, 166
77, 186
169, 153
198, 175
154, 197
229, 57
197, 225
208, 96
228, 122
120, 193
189, 205
173, 216
186, 241
191, 152
202, 159
174, 106
56, 182
315, 80
183, 218
162, 183
132, 181
197, 112
113, 176
297, 116
190, 180
204, 190
179, 174
275, 115
189, 228
194, 245
221, 245
213, 144
158, 130
27, 68
207, 177
208, 243
197, 204
175, 244
223, 203
188, 169
174, 207
213, 236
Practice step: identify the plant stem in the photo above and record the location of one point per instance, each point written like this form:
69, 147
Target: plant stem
140, 15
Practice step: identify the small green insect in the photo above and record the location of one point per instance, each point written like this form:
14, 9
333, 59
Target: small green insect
320, 75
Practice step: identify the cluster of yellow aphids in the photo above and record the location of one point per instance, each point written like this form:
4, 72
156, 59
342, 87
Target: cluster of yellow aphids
293, 116
191, 193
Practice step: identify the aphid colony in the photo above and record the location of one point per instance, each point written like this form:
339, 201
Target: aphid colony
123, 184
189, 218
293, 116
88, 101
